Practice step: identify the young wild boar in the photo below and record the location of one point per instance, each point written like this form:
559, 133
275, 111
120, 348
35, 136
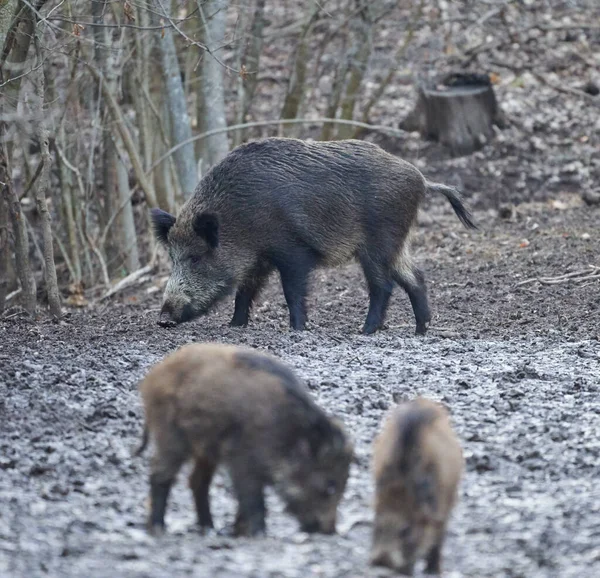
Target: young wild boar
290, 205
220, 404
417, 465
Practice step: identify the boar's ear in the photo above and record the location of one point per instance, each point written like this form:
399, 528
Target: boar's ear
206, 225
162, 223
303, 450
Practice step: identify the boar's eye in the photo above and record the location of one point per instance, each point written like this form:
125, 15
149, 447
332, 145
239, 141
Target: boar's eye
194, 260
330, 488
404, 532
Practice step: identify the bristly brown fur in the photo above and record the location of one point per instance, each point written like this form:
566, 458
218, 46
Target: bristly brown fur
417, 466
235, 406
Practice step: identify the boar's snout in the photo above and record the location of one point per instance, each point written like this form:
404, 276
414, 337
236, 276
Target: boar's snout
322, 524
391, 559
171, 316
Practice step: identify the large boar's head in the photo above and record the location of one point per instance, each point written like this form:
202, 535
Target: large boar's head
199, 277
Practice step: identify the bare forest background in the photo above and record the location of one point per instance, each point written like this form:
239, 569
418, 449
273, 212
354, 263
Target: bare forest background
109, 108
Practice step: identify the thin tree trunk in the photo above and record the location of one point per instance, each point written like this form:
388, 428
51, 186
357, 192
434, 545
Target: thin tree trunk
213, 13
295, 90
361, 51
7, 12
180, 119
336, 94
128, 142
20, 233
68, 207
392, 70
239, 65
251, 58
126, 221
3, 251
200, 146
42, 188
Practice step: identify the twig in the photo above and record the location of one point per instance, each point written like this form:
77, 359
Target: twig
97, 252
592, 272
127, 281
30, 184
131, 278
13, 294
373, 127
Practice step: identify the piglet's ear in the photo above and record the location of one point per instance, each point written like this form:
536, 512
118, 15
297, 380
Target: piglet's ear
206, 226
162, 223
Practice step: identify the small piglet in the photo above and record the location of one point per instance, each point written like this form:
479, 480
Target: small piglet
221, 404
418, 463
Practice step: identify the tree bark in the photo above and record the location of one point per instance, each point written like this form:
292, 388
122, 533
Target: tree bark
20, 233
376, 96
251, 58
68, 209
359, 58
108, 153
7, 13
128, 142
126, 220
42, 188
180, 119
214, 14
336, 93
295, 90
3, 251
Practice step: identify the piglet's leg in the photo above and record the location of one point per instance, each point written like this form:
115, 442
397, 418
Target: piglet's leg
434, 557
171, 453
200, 480
249, 490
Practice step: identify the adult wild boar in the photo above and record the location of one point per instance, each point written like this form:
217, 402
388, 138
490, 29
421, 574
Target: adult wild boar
417, 466
246, 410
289, 205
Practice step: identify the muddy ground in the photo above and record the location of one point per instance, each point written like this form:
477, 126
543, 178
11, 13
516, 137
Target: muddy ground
519, 367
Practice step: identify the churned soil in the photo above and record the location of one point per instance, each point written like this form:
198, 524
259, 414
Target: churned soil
518, 366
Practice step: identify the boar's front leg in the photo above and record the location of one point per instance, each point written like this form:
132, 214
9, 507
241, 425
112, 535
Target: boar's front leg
200, 480
295, 268
247, 292
161, 479
249, 490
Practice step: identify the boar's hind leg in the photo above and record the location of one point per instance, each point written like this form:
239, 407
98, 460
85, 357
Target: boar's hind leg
295, 269
412, 280
200, 480
246, 294
380, 290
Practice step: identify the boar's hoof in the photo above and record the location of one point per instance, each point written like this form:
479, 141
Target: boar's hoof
370, 328
156, 530
165, 320
422, 329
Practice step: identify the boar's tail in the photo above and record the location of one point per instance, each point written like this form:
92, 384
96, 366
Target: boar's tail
412, 425
144, 443
453, 195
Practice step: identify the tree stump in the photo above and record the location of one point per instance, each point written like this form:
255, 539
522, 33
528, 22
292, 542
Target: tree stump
459, 112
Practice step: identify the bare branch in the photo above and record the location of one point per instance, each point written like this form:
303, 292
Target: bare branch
372, 127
